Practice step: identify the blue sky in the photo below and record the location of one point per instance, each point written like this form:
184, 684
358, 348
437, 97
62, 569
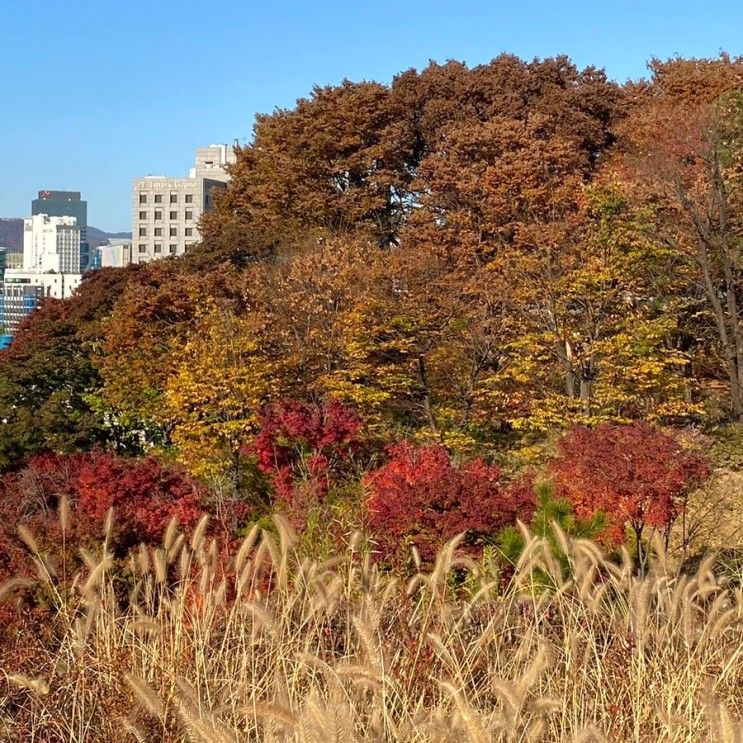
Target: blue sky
94, 93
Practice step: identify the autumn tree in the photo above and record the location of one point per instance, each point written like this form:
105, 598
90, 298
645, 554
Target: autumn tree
138, 351
500, 222
49, 385
682, 149
331, 313
345, 160
636, 475
604, 337
222, 376
421, 498
498, 219
333, 164
305, 448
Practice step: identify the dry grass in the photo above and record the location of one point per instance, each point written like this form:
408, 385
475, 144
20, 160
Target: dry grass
279, 648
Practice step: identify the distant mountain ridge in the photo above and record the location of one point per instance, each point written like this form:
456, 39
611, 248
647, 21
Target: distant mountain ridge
11, 234
95, 234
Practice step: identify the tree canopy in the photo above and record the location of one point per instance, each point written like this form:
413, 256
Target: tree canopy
466, 256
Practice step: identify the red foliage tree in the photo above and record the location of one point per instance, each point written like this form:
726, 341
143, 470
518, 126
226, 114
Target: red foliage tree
30, 497
302, 446
421, 497
635, 474
144, 493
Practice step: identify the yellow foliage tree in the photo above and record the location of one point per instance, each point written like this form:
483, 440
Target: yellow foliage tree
224, 374
600, 337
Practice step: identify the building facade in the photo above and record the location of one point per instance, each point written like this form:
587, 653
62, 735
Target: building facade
166, 211
116, 254
51, 284
50, 268
13, 259
51, 259
16, 301
51, 244
66, 204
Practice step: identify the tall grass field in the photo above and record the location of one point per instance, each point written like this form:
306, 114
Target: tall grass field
204, 642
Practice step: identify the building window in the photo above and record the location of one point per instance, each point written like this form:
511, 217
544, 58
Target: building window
189, 198
158, 231
143, 232
174, 215
174, 198
142, 248
158, 248
158, 215
143, 215
173, 231
143, 198
189, 214
173, 249
188, 231
158, 198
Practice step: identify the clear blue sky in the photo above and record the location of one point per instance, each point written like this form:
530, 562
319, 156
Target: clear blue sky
94, 93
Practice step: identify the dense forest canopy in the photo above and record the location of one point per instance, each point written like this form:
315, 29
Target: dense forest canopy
473, 259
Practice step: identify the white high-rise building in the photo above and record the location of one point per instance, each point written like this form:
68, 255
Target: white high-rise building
51, 244
51, 267
166, 211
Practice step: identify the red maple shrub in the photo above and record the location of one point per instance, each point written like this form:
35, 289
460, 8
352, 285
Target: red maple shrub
636, 475
30, 497
144, 493
302, 446
420, 497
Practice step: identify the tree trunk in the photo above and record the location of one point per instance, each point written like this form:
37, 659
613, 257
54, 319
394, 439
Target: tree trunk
639, 551
427, 407
235, 471
565, 352
588, 374
586, 390
730, 270
713, 248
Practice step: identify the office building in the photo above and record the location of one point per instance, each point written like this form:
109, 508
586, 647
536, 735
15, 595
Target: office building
21, 291
17, 299
116, 254
13, 259
51, 244
52, 284
9, 259
66, 204
166, 210
50, 268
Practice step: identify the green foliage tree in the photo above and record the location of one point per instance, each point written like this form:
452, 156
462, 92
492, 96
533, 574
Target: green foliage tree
551, 514
48, 383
